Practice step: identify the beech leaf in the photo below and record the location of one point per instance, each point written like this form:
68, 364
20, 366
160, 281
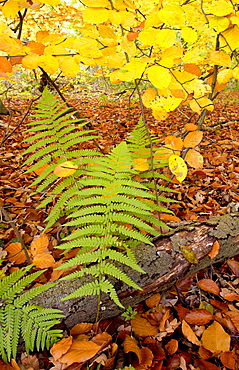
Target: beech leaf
209, 286
189, 334
215, 339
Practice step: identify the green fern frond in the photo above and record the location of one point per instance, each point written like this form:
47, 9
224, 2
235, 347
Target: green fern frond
19, 319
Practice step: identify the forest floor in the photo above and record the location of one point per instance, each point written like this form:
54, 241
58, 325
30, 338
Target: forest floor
190, 327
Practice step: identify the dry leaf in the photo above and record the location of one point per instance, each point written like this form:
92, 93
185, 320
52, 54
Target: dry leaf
43, 260
229, 359
80, 351
61, 347
189, 334
171, 347
15, 253
193, 139
215, 250
215, 339
209, 286
39, 245
130, 345
142, 327
82, 328
234, 266
153, 301
198, 317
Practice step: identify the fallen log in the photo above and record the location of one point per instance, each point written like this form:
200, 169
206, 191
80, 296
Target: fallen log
164, 263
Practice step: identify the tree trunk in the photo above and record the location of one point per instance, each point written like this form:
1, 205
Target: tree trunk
164, 264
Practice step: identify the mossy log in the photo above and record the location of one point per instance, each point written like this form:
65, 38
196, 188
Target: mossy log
164, 264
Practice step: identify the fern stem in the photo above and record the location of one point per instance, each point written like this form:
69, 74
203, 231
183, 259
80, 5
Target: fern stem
12, 223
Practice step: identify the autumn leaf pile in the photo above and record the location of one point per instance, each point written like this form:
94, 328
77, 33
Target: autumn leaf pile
194, 326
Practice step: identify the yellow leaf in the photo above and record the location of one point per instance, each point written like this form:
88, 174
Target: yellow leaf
189, 254
235, 73
69, 67
192, 139
178, 167
148, 96
172, 15
199, 104
160, 115
148, 36
49, 63
43, 260
98, 3
189, 334
127, 19
65, 169
220, 23
95, 15
50, 2
165, 38
10, 9
232, 38
30, 61
106, 32
159, 77
189, 34
141, 164
194, 159
224, 76
220, 58
215, 339
220, 7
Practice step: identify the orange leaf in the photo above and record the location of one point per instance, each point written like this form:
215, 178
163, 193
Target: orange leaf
5, 65
194, 158
142, 327
215, 339
39, 245
83, 327
174, 142
215, 250
43, 260
190, 127
102, 339
234, 266
130, 345
131, 36
204, 365
80, 351
15, 253
199, 317
231, 297
153, 301
60, 348
218, 304
228, 360
209, 286
168, 217
189, 334
192, 68
171, 347
147, 357
193, 139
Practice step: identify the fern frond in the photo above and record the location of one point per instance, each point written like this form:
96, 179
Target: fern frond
92, 288
18, 319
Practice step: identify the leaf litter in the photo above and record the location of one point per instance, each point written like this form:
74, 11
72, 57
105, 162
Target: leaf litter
194, 326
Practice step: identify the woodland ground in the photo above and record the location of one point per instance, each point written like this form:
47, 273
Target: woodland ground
212, 190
